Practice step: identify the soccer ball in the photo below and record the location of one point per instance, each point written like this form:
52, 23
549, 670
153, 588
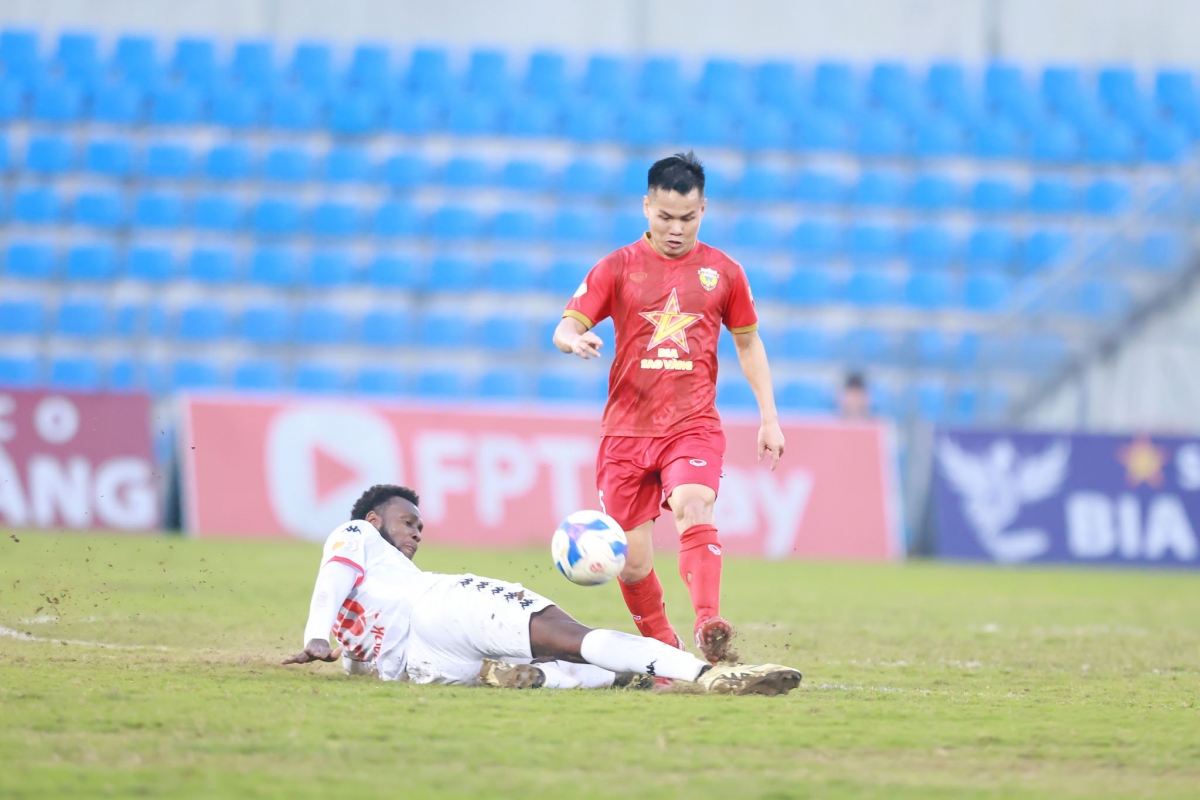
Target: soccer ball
589, 548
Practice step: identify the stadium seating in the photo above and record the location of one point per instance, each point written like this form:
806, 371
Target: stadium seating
283, 197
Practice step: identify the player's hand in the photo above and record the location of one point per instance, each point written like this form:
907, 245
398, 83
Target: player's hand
587, 345
770, 443
315, 650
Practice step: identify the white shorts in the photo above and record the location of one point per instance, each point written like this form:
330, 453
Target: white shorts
464, 619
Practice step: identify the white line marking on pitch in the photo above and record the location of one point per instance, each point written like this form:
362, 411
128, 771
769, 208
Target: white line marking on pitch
29, 637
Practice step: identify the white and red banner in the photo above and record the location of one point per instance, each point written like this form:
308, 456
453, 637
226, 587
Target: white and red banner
500, 476
76, 461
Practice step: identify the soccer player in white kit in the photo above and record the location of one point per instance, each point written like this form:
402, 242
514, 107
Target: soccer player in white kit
428, 627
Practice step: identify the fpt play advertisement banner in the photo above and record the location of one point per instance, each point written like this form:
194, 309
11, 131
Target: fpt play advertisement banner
1025, 497
506, 477
74, 461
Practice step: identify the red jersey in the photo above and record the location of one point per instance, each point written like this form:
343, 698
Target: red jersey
667, 314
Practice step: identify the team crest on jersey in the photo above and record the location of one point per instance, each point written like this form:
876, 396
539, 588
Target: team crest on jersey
709, 278
637, 277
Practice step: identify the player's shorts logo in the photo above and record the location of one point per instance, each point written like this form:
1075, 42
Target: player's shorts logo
698, 462
716, 551
708, 278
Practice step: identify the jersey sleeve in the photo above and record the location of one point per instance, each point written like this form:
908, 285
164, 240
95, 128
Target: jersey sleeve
347, 545
740, 314
592, 302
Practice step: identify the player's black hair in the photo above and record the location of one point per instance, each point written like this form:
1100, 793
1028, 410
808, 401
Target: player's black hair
681, 173
855, 380
379, 494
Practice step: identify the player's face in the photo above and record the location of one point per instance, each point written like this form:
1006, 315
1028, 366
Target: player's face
674, 220
400, 522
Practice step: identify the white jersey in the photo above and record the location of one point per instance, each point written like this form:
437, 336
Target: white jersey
374, 621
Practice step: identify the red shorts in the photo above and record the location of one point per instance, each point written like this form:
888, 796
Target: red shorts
636, 474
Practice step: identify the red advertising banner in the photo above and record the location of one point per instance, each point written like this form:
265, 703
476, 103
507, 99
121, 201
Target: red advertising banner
76, 461
508, 475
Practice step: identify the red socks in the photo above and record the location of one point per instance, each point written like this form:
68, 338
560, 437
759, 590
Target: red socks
645, 601
700, 568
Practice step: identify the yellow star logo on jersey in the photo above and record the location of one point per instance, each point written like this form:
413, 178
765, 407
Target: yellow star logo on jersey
670, 323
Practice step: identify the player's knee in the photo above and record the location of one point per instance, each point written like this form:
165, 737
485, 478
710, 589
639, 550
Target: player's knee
694, 510
637, 566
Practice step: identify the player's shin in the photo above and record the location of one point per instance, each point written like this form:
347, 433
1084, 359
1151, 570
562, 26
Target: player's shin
565, 675
623, 652
700, 568
644, 599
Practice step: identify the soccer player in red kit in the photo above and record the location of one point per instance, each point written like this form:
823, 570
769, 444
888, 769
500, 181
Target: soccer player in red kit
662, 444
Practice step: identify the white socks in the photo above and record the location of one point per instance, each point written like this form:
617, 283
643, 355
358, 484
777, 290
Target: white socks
565, 675
623, 652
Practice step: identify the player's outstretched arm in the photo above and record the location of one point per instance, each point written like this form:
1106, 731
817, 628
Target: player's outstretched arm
571, 336
334, 583
753, 358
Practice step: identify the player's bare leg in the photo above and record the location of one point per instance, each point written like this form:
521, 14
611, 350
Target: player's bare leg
642, 590
700, 567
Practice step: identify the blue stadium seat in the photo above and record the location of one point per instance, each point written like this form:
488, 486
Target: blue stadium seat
237, 107
392, 271
20, 372
931, 246
500, 384
405, 171
274, 266
370, 68
646, 126
881, 135
193, 373
91, 262
995, 195
316, 377
660, 80
805, 396
1162, 250
871, 288
353, 113
12, 99
836, 88
986, 292
816, 239
397, 218
1052, 195
386, 328
380, 381
879, 188
811, 286
133, 320
559, 386
292, 109
177, 106
441, 383
991, 247
766, 129
530, 117
333, 218
49, 155
168, 160
444, 330
472, 116
710, 126
19, 52
932, 192
629, 226
58, 102
312, 66
253, 63
322, 325
229, 162
111, 158
412, 115
869, 346
29, 260
463, 172
546, 77
212, 264
259, 375
1111, 142
776, 85
1055, 142
1108, 196
287, 164
1046, 247
939, 136
265, 325
21, 317
204, 322
487, 74
75, 373
998, 139
79, 56
512, 276
515, 225
525, 175
575, 226
891, 86
761, 182
544, 340
136, 59
505, 333
81, 318
36, 205
870, 242
805, 343
347, 164
218, 212
99, 208
158, 209
607, 78
451, 274
930, 291
929, 401
753, 231
1100, 298
726, 83
150, 263
330, 268
277, 216
564, 277
455, 223
587, 177
119, 104
735, 395
819, 187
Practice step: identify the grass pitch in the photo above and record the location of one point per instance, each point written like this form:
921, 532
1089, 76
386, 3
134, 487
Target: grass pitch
921, 681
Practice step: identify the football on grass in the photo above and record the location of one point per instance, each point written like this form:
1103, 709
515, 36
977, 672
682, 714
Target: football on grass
589, 548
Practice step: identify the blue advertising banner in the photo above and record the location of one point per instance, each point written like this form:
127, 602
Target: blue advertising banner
1014, 497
